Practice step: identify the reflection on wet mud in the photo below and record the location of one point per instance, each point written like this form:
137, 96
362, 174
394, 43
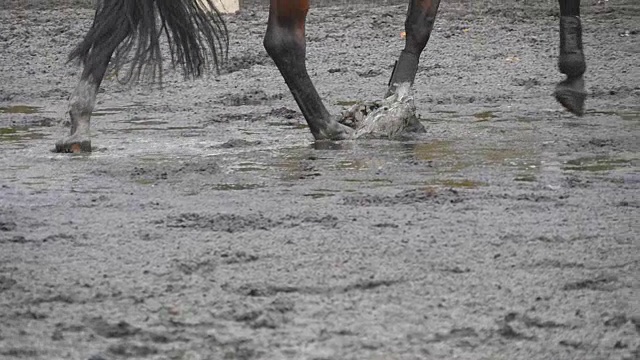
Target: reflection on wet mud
627, 115
114, 109
19, 109
630, 115
462, 183
484, 116
378, 163
19, 133
247, 166
596, 163
355, 164
525, 178
138, 121
226, 187
446, 158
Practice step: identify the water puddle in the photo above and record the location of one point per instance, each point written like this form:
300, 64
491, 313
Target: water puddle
458, 183
19, 133
145, 181
113, 110
579, 125
371, 182
627, 115
235, 187
515, 158
144, 122
596, 163
248, 166
19, 109
484, 116
450, 160
630, 115
197, 129
321, 193
435, 150
352, 165
525, 178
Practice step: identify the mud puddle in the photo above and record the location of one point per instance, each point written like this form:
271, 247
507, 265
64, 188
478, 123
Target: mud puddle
19, 109
599, 163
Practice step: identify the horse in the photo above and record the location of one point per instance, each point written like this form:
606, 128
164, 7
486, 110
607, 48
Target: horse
128, 32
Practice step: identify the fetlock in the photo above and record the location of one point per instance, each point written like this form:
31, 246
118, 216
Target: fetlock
404, 71
571, 61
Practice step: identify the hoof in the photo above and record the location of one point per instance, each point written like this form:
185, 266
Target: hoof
70, 146
335, 132
572, 96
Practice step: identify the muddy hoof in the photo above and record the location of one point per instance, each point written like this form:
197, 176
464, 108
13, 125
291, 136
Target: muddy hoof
71, 146
335, 132
572, 96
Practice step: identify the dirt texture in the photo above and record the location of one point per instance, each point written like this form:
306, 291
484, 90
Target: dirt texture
207, 225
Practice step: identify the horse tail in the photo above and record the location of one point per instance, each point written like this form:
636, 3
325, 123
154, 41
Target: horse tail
128, 32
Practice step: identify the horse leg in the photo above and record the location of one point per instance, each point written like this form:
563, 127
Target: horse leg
420, 18
285, 43
81, 104
95, 51
570, 92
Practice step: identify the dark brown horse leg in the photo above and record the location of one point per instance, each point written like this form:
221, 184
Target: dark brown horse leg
570, 92
420, 18
285, 43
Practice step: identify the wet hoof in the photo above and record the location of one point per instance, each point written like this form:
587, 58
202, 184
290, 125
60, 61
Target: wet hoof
73, 146
571, 95
335, 132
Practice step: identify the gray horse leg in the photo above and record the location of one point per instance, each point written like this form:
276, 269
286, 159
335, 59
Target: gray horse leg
81, 104
197, 37
570, 92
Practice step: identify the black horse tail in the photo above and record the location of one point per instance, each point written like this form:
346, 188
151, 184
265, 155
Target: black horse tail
128, 32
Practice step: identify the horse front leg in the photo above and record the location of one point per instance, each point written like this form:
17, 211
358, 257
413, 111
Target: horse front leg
421, 16
570, 92
285, 43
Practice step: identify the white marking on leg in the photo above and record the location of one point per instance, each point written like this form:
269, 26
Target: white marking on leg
81, 104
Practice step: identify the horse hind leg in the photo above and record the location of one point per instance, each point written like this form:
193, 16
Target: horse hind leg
81, 105
570, 92
95, 52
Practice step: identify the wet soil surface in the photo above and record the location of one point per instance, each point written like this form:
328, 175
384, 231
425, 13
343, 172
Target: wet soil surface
206, 224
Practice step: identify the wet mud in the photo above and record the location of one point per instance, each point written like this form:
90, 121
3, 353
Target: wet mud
207, 225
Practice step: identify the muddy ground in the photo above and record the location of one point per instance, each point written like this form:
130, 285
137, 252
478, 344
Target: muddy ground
206, 224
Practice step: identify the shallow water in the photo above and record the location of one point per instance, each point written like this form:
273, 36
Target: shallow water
208, 226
